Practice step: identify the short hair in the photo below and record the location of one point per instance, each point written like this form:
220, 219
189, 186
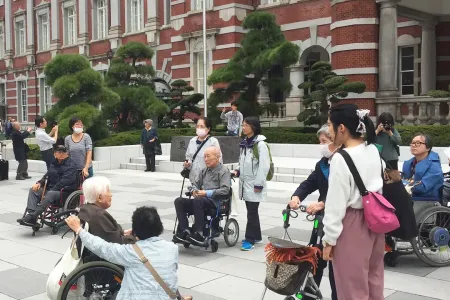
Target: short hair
72, 122
94, 187
428, 142
146, 223
324, 130
216, 150
385, 118
234, 103
148, 121
38, 121
207, 121
254, 123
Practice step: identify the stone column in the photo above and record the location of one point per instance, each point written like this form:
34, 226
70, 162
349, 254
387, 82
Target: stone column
294, 100
263, 96
55, 13
428, 58
152, 23
115, 31
8, 34
83, 36
388, 49
30, 30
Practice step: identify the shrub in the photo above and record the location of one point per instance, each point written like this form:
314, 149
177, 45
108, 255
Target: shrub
35, 153
439, 134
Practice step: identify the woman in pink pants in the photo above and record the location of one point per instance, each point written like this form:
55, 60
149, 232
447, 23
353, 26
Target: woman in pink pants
357, 252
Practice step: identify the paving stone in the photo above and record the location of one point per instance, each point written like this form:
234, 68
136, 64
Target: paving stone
20, 283
406, 296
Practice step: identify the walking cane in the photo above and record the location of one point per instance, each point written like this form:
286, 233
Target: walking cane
44, 190
181, 195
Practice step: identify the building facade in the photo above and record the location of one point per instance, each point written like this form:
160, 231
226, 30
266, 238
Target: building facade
399, 48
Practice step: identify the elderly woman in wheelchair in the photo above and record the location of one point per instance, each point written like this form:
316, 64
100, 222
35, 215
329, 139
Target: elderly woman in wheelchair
208, 197
62, 175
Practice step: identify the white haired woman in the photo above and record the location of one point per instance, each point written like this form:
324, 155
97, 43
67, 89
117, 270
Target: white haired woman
149, 136
98, 198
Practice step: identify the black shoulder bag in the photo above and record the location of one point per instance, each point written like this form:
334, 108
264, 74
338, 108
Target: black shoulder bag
186, 172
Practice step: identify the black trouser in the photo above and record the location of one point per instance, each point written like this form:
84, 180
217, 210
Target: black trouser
48, 157
392, 164
192, 206
150, 161
253, 229
22, 168
36, 206
322, 264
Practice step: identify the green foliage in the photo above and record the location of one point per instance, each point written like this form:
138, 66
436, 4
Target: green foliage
439, 94
263, 48
80, 90
134, 85
180, 101
280, 135
35, 153
326, 86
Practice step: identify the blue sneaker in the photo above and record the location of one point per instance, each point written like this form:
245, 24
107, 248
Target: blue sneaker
256, 241
246, 246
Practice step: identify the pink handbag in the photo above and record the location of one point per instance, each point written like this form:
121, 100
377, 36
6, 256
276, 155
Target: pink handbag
378, 212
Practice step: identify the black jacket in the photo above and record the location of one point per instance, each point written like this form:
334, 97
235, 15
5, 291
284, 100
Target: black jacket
61, 175
315, 181
146, 137
19, 147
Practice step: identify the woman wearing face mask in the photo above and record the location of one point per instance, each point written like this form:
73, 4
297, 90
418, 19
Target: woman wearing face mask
203, 140
356, 251
318, 180
79, 145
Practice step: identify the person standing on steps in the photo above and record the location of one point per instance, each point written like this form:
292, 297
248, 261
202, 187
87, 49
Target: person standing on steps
234, 120
252, 175
148, 143
46, 141
20, 150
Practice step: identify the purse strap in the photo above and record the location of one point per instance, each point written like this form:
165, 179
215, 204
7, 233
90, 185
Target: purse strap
155, 274
351, 165
199, 148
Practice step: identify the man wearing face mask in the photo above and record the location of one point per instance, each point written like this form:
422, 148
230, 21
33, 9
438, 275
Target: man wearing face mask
318, 180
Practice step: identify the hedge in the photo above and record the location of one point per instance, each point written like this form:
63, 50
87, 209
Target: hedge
440, 135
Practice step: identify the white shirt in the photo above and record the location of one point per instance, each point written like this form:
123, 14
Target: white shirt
342, 190
44, 141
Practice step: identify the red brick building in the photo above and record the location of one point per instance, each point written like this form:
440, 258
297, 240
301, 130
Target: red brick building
399, 48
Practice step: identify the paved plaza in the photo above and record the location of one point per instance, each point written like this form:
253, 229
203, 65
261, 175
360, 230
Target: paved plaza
229, 274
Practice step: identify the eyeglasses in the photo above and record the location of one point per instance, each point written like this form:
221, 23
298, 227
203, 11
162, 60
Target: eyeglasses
417, 144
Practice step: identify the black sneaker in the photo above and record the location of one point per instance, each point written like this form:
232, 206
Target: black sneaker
197, 239
181, 237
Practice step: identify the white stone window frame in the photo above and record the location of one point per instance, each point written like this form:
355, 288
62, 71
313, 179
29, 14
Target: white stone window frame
271, 3
197, 6
167, 12
2, 39
405, 41
2, 2
3, 91
45, 95
20, 18
41, 11
65, 6
22, 103
95, 18
129, 18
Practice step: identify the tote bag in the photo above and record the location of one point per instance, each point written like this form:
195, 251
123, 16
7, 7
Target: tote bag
68, 262
378, 212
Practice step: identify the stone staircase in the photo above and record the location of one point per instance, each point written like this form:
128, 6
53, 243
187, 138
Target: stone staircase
163, 164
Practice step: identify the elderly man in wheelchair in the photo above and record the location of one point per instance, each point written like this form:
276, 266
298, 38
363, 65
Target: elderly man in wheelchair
62, 174
212, 185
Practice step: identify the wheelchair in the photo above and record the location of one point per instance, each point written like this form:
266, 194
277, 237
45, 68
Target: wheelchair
69, 199
91, 279
212, 228
432, 245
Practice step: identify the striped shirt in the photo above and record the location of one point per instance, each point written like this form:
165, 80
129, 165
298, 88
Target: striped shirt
78, 151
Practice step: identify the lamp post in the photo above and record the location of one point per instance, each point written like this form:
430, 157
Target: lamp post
205, 69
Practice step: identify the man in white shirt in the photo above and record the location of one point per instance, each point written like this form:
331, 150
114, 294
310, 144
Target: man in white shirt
234, 120
46, 141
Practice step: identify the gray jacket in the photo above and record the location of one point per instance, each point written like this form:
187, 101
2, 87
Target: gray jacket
199, 164
217, 180
253, 172
389, 143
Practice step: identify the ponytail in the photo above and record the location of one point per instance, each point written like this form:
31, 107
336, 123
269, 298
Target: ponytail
370, 130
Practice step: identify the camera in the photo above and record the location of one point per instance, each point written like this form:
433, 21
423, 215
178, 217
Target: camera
387, 126
54, 124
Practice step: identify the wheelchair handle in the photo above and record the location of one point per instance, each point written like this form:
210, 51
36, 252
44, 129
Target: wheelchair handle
66, 212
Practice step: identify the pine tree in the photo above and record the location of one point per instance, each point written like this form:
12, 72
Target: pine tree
80, 90
133, 82
180, 101
263, 48
326, 86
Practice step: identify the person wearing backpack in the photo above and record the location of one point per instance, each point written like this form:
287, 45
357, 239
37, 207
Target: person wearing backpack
255, 165
356, 251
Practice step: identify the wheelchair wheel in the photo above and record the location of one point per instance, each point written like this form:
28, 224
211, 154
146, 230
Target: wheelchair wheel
73, 200
391, 259
95, 280
231, 232
432, 245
